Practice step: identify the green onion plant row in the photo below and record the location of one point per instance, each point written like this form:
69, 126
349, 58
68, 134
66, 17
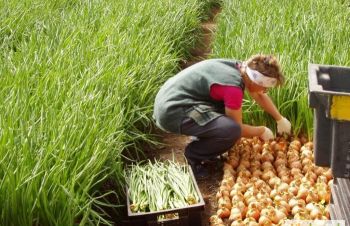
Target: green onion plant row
160, 186
298, 32
77, 83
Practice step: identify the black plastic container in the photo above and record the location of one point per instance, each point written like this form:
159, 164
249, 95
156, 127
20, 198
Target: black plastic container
186, 216
329, 95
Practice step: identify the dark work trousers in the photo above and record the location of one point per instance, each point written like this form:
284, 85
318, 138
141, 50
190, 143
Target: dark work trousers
214, 138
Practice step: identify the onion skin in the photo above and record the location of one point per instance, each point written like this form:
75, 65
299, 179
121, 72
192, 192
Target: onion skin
302, 193
330, 183
298, 209
293, 190
316, 213
283, 208
312, 197
302, 215
280, 162
215, 220
217, 224
236, 214
281, 146
228, 181
265, 221
224, 202
295, 171
237, 198
327, 212
254, 213
274, 181
224, 188
328, 174
257, 173
255, 205
237, 223
223, 212
252, 223
286, 179
267, 157
233, 162
296, 164
295, 145
280, 216
283, 187
324, 196
306, 161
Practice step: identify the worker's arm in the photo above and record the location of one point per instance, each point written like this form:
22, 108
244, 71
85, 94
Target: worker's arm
283, 124
266, 103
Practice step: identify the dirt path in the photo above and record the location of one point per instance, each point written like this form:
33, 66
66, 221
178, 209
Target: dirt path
174, 145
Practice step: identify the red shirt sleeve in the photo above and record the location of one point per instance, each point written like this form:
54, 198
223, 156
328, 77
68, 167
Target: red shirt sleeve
232, 96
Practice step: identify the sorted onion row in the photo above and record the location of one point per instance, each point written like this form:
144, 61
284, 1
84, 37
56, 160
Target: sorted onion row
160, 186
268, 183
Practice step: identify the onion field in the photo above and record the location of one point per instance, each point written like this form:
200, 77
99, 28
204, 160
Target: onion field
78, 80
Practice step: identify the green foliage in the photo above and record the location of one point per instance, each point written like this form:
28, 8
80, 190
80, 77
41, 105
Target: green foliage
77, 84
297, 32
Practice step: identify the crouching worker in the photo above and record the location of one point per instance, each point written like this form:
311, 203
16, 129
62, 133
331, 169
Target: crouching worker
205, 101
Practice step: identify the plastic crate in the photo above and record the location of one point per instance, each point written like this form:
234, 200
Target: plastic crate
186, 216
340, 203
329, 95
344, 185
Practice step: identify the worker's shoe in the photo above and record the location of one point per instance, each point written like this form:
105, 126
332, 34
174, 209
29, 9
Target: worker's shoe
199, 169
216, 163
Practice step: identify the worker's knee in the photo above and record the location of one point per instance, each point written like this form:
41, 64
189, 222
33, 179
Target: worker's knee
230, 132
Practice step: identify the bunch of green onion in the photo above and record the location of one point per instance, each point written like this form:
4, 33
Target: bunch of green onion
160, 186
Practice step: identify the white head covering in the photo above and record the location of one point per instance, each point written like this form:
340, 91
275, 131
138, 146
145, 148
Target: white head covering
260, 79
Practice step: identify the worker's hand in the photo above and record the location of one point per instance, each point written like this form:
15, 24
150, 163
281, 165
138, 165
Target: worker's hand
267, 135
283, 126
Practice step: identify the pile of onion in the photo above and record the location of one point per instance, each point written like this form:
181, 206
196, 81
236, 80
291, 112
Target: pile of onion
268, 183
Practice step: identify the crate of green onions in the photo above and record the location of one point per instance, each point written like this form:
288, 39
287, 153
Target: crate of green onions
163, 193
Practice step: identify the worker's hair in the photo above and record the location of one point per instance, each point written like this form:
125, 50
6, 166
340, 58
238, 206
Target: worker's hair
267, 65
